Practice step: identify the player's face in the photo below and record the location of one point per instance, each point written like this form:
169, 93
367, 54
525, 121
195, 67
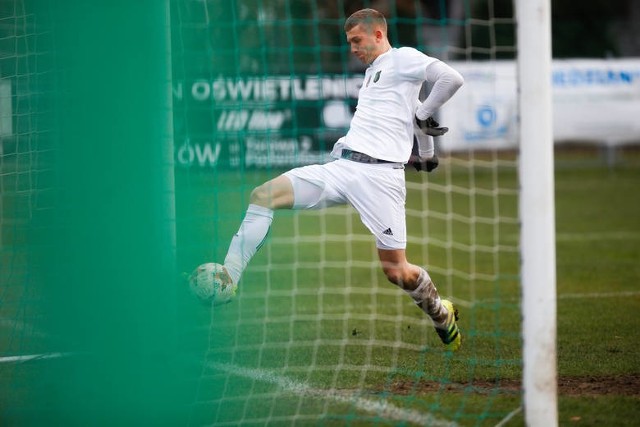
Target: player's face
364, 44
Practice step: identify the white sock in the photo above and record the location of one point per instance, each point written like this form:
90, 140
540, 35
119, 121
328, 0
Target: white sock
246, 242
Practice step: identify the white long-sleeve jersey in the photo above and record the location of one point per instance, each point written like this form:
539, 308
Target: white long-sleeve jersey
382, 125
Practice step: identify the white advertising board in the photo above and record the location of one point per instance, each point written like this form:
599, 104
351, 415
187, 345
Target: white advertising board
593, 100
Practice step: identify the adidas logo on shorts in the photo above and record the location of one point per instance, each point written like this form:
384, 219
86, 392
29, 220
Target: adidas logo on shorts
388, 232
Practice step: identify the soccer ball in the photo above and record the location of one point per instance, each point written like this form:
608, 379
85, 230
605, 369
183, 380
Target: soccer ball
211, 283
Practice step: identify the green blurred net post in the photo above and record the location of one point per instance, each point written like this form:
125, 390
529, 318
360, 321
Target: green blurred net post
110, 264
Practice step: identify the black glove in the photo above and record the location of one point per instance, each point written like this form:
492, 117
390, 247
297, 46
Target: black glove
430, 127
424, 164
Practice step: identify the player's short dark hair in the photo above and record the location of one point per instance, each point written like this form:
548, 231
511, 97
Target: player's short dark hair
368, 18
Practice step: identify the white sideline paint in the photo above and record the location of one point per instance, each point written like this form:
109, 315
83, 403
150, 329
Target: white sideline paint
27, 357
381, 407
506, 419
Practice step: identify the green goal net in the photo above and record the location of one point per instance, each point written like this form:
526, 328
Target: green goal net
317, 335
26, 174
96, 222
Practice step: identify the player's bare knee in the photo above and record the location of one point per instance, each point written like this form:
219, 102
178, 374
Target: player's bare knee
394, 275
259, 196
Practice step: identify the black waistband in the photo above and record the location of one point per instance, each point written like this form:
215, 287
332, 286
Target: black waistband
356, 156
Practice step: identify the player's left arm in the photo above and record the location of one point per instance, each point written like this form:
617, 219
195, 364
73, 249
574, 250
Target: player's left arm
446, 82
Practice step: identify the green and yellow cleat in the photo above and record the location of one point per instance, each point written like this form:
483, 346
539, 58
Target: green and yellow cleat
448, 331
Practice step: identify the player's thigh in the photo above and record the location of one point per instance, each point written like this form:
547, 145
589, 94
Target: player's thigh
315, 186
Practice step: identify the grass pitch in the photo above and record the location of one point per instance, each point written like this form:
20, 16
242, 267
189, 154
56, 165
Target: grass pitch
318, 336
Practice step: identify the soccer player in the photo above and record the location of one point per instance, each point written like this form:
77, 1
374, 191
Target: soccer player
368, 172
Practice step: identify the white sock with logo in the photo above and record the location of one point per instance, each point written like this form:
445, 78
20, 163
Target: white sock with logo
246, 242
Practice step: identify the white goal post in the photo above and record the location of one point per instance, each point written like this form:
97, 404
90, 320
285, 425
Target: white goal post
537, 212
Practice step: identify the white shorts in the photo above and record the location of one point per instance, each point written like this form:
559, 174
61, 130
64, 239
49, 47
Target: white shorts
376, 191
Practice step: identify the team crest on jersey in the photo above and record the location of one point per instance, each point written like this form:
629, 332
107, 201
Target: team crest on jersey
375, 78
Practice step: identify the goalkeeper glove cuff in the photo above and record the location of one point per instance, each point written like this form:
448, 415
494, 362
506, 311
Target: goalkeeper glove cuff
425, 164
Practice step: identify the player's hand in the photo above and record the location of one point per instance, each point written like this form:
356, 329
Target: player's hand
430, 127
424, 164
